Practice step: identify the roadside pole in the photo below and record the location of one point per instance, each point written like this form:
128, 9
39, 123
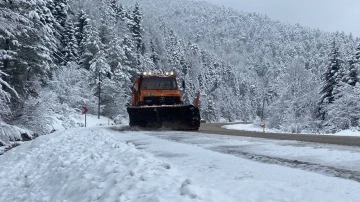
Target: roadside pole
262, 110
99, 88
85, 110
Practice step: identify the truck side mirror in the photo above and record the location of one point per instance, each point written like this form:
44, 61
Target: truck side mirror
183, 84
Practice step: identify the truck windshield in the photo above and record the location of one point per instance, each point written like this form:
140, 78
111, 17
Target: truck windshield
158, 83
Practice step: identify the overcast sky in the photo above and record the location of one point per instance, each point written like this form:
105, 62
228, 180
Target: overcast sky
328, 15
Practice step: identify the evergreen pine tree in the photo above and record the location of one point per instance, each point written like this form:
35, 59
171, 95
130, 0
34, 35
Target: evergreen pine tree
116, 10
332, 77
154, 56
82, 32
26, 57
115, 53
344, 112
82, 21
59, 9
100, 74
54, 27
353, 72
46, 24
131, 59
70, 50
100, 67
90, 45
12, 23
4, 95
136, 29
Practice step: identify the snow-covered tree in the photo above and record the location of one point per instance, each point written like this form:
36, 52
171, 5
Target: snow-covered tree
37, 113
154, 55
26, 56
72, 88
116, 11
291, 111
80, 32
91, 44
352, 76
59, 9
47, 26
131, 59
71, 48
137, 29
100, 67
4, 95
209, 113
115, 53
12, 22
344, 112
332, 78
100, 74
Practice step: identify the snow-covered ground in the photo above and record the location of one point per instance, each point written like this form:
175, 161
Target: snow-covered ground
92, 165
79, 121
251, 127
100, 164
11, 136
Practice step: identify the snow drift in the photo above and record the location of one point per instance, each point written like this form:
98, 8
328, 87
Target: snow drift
88, 165
10, 134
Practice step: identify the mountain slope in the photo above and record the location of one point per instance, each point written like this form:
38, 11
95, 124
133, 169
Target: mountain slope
245, 60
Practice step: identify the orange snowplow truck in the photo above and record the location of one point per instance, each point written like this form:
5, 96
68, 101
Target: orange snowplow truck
157, 102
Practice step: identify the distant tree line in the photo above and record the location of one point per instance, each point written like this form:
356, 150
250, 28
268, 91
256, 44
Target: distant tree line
57, 55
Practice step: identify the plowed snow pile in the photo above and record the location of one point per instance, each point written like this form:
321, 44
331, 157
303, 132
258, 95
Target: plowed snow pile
87, 165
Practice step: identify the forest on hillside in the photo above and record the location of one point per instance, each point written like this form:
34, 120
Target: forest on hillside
57, 55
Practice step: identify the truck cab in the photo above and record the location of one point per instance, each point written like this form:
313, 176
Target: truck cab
150, 90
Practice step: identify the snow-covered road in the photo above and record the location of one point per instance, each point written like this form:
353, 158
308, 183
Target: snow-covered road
100, 164
341, 161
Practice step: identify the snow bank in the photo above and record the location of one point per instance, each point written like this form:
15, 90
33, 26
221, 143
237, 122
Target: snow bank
11, 136
10, 133
77, 120
251, 127
88, 165
93, 120
245, 127
349, 132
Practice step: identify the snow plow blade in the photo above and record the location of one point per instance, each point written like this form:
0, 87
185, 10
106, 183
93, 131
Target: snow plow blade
170, 117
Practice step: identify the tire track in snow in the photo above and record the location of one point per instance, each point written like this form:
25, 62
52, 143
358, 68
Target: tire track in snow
313, 167
293, 163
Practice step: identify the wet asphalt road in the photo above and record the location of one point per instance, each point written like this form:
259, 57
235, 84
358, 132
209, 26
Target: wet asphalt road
215, 128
